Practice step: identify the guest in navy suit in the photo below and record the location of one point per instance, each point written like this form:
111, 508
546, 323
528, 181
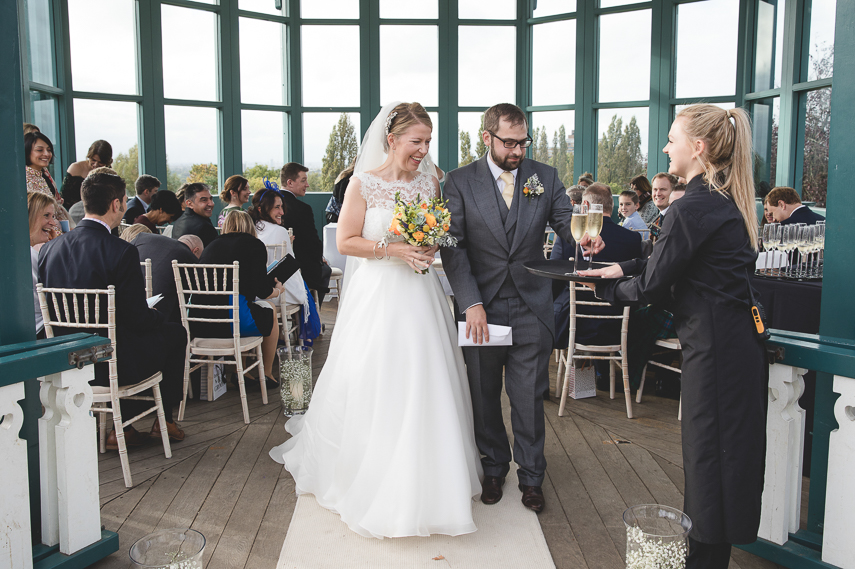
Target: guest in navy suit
621, 245
787, 208
90, 257
146, 186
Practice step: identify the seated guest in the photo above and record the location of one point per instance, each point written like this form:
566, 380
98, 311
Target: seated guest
678, 193
146, 186
41, 209
193, 243
163, 208
38, 152
767, 215
575, 194
585, 180
663, 184
239, 243
308, 248
162, 251
91, 258
100, 154
196, 220
76, 213
646, 208
787, 208
622, 245
266, 211
130, 233
628, 207
333, 209
29, 127
235, 193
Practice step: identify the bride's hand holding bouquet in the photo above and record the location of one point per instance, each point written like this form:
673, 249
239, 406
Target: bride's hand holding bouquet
424, 224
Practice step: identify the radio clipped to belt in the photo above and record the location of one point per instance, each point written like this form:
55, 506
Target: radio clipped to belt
758, 314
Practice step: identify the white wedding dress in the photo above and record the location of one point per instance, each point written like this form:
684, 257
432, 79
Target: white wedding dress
388, 440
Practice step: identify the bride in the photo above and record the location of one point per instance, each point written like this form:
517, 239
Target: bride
388, 440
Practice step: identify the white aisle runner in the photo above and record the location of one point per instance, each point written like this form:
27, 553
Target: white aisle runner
508, 535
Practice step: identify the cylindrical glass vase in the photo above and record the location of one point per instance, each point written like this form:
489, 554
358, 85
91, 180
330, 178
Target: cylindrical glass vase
656, 537
169, 549
295, 377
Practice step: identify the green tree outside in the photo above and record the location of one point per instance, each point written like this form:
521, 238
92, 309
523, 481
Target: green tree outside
465, 148
205, 173
256, 174
127, 166
341, 151
619, 156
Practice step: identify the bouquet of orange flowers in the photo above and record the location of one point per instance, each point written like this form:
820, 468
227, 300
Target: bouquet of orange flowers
422, 223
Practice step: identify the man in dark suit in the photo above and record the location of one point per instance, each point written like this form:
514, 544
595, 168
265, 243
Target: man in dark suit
162, 251
91, 258
308, 247
621, 245
146, 186
787, 208
199, 206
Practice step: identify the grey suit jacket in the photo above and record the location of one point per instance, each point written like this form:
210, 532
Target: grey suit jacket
478, 266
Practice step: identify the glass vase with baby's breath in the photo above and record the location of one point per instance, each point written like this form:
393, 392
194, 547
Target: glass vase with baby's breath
656, 537
295, 378
169, 549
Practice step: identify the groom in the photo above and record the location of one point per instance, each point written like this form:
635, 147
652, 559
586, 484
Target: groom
500, 205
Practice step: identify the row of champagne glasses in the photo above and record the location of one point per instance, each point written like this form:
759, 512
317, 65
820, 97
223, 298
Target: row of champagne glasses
587, 218
802, 245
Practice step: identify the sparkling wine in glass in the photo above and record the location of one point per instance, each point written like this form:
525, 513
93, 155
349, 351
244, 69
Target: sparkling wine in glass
595, 224
578, 226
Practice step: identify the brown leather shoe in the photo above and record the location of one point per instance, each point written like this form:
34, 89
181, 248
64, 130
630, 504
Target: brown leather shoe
174, 431
491, 489
133, 438
532, 498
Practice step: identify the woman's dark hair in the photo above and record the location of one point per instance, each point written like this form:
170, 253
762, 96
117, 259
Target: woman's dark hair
103, 150
165, 201
641, 184
262, 202
99, 191
30, 141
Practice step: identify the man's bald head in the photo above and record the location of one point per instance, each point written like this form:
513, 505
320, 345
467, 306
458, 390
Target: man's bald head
194, 243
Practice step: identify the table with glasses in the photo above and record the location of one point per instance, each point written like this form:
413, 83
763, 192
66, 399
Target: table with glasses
793, 251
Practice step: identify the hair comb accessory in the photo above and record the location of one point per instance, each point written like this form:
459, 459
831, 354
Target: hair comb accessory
271, 185
391, 116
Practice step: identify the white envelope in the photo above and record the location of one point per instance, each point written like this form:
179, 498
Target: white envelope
499, 336
157, 298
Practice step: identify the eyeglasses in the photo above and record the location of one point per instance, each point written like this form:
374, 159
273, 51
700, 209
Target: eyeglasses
525, 143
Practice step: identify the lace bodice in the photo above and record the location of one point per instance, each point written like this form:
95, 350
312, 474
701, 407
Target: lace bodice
379, 196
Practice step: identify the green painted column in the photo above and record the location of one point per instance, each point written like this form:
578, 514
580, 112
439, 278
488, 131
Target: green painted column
18, 321
838, 311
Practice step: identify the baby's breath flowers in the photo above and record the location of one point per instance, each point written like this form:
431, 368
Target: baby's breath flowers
649, 552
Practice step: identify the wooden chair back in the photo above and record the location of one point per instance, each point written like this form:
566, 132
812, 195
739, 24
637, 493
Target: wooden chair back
198, 283
149, 283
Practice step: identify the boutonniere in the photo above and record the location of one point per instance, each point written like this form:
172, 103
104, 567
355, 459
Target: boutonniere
532, 187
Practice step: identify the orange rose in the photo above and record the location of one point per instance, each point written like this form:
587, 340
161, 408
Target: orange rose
418, 236
431, 220
396, 228
445, 227
423, 205
525, 191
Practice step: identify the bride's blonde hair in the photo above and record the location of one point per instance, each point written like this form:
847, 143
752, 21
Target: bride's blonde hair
727, 159
404, 116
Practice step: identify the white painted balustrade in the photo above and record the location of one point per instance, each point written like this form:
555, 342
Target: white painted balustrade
68, 456
785, 431
838, 537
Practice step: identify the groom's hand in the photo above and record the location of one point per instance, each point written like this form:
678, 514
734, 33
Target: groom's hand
476, 323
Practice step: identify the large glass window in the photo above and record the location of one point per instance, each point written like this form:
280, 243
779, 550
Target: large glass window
321, 85
765, 116
554, 63
113, 121
613, 3
190, 54
263, 144
329, 9
821, 38
40, 41
45, 115
480, 84
706, 65
409, 64
816, 113
553, 7
262, 62
470, 144
330, 141
409, 9
493, 10
624, 57
264, 7
192, 151
103, 48
621, 146
554, 142
769, 45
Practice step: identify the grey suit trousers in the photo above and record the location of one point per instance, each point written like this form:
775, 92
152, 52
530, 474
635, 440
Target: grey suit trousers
532, 344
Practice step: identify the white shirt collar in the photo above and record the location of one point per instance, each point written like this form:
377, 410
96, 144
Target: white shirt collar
798, 208
496, 171
107, 227
664, 211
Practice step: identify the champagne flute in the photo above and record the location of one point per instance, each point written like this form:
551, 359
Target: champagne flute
595, 225
805, 245
578, 225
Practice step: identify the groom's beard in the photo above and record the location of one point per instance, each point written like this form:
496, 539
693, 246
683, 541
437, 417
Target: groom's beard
508, 163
